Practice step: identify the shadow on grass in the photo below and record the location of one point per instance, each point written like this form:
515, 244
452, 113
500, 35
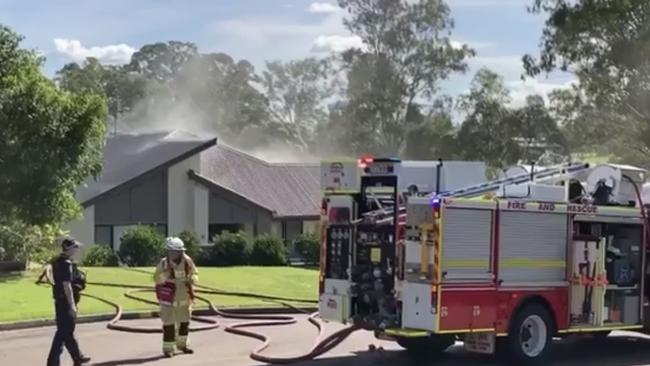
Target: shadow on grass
130, 361
10, 276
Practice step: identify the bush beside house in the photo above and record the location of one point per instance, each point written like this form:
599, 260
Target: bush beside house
191, 241
142, 246
308, 247
100, 256
268, 251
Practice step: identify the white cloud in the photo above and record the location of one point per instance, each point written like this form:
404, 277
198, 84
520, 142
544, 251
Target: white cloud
458, 43
520, 89
110, 55
317, 7
336, 43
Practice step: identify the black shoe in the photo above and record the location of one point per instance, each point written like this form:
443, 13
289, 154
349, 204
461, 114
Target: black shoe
81, 361
187, 350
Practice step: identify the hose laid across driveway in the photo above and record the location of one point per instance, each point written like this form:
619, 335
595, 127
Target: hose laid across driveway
321, 345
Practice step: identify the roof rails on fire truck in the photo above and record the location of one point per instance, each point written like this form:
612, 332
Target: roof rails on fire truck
474, 190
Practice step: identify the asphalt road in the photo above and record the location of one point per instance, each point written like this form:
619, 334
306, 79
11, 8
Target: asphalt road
107, 348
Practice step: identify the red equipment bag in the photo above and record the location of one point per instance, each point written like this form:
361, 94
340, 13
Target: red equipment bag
166, 293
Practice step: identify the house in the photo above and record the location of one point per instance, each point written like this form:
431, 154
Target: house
175, 181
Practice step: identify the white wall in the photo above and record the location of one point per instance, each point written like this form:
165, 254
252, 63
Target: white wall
201, 211
311, 227
180, 195
276, 228
83, 229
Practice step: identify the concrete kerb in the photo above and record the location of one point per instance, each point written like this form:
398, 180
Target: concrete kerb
38, 323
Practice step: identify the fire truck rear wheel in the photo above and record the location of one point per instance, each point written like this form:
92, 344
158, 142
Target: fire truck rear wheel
426, 345
530, 338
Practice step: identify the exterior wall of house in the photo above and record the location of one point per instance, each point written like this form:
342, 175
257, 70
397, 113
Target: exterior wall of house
83, 229
141, 201
231, 213
181, 196
201, 211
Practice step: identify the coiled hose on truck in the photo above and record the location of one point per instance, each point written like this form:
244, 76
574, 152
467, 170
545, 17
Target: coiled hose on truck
321, 345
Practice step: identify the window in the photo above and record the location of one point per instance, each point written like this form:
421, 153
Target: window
216, 229
291, 230
104, 235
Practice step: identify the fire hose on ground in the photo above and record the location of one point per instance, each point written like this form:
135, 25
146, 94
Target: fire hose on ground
321, 345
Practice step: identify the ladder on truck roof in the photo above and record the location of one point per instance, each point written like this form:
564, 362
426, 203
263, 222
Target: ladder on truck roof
474, 190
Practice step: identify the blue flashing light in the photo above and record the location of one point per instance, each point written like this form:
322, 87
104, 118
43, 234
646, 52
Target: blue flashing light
436, 201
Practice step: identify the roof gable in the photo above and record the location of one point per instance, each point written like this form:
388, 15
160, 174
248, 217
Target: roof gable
128, 156
286, 189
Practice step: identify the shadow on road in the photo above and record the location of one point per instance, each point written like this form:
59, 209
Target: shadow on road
614, 351
130, 361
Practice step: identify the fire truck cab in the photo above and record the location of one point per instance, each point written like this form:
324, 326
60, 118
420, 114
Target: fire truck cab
426, 253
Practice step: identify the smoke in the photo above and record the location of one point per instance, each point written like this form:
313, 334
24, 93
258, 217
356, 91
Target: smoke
282, 153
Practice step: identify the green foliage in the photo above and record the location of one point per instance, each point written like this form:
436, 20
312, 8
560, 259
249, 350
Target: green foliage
50, 140
191, 241
407, 53
229, 249
142, 246
296, 91
19, 242
268, 251
308, 246
100, 256
605, 44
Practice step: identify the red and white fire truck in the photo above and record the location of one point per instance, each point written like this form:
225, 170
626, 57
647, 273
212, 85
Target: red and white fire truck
426, 253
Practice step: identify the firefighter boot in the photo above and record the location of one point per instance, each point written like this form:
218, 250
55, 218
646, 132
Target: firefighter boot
182, 342
169, 335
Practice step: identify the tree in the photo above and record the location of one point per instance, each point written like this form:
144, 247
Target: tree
50, 140
434, 138
297, 92
407, 53
535, 130
485, 133
123, 90
162, 61
605, 43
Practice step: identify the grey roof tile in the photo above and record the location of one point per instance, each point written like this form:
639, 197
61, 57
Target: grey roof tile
286, 189
127, 156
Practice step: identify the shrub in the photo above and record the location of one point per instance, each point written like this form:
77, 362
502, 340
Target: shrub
100, 256
142, 246
229, 249
268, 251
308, 247
192, 242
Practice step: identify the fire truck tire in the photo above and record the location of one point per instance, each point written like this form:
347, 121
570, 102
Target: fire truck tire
426, 345
530, 338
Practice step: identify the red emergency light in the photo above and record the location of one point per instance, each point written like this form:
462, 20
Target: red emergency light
365, 161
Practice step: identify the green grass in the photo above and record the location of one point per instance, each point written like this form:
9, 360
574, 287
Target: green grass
23, 300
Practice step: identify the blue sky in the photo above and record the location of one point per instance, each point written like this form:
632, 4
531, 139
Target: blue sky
501, 31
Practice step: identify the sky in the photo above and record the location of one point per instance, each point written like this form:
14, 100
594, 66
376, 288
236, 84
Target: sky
501, 31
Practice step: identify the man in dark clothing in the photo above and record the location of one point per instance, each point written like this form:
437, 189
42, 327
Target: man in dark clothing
68, 283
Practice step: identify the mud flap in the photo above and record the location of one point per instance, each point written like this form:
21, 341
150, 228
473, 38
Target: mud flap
480, 343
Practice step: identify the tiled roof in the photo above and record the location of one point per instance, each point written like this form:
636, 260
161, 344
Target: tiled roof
127, 156
286, 189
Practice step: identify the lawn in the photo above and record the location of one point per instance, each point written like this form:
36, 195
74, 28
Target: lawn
22, 300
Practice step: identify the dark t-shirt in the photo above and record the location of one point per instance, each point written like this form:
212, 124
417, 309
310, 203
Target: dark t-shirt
64, 270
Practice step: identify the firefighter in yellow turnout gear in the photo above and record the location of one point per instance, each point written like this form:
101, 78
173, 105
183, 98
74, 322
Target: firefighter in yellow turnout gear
175, 275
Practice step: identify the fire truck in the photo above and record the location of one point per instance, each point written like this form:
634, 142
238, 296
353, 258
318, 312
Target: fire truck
426, 253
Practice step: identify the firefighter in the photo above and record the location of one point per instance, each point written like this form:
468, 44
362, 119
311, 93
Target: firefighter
69, 281
175, 275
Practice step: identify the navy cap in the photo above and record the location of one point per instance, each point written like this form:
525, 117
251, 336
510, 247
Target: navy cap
68, 244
